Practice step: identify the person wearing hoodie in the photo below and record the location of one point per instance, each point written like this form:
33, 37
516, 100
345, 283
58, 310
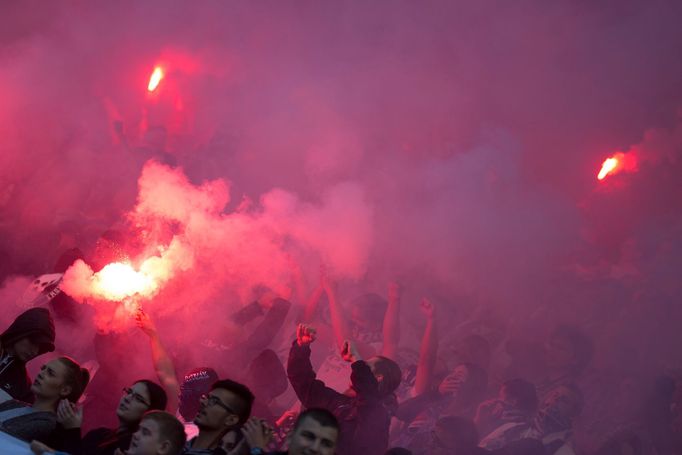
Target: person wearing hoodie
364, 411
31, 334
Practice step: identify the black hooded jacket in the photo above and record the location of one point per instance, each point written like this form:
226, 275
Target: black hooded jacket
364, 419
36, 324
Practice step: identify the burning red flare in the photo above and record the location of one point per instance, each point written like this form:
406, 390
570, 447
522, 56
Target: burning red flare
155, 79
118, 281
609, 166
616, 163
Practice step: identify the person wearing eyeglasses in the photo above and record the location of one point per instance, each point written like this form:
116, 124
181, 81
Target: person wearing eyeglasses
142, 396
221, 411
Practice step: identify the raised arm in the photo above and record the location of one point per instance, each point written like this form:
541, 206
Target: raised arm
339, 322
392, 322
311, 304
163, 365
310, 391
428, 350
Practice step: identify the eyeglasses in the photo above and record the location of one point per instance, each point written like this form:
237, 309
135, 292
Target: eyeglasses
212, 400
136, 396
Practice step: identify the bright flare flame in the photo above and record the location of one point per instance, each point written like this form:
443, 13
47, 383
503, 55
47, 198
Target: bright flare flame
155, 79
608, 167
117, 281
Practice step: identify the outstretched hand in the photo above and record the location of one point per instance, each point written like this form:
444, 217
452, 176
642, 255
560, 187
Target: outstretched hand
305, 335
349, 352
145, 323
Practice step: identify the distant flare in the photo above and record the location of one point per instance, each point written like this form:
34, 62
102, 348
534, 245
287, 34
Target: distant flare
609, 166
616, 163
155, 79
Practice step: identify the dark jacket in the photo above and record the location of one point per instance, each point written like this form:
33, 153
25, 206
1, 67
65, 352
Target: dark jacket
38, 425
100, 441
37, 324
364, 419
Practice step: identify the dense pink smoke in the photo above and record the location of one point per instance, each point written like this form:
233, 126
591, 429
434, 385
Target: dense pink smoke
452, 146
257, 245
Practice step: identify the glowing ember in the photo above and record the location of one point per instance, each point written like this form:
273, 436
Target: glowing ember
616, 163
608, 167
117, 280
155, 79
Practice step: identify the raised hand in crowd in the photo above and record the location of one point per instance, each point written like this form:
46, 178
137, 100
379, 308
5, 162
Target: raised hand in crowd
145, 323
305, 335
349, 352
428, 350
163, 365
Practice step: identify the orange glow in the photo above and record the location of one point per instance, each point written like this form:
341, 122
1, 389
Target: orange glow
617, 163
155, 79
608, 167
117, 281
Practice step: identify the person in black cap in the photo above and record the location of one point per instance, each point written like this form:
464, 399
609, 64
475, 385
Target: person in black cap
30, 335
195, 384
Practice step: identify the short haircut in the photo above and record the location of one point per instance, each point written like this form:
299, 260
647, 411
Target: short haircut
157, 396
170, 429
319, 415
391, 373
523, 392
245, 402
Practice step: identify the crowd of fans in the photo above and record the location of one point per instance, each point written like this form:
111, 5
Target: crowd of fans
367, 394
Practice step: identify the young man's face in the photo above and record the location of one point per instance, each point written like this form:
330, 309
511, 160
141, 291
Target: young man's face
25, 349
217, 410
147, 440
311, 438
134, 403
50, 382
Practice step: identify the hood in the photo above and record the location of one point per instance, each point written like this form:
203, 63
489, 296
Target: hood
35, 323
